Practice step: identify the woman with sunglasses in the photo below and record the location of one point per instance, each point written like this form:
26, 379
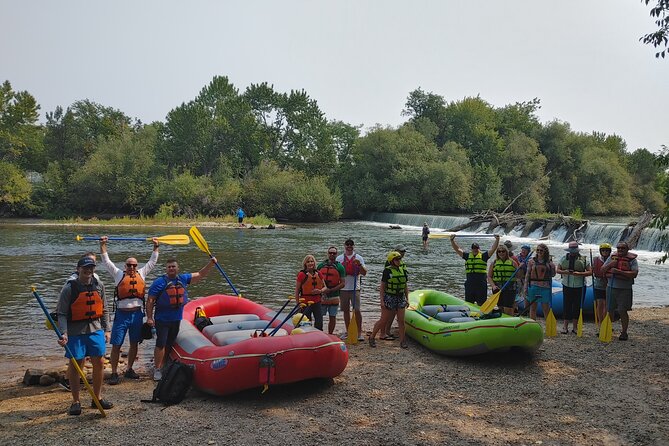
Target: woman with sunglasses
309, 287
502, 272
539, 280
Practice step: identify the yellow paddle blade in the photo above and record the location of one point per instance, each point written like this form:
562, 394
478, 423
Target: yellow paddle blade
579, 326
551, 324
352, 337
489, 304
199, 240
175, 239
606, 330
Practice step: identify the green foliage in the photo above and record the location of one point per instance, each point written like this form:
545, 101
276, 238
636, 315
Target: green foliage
577, 214
14, 189
487, 184
290, 195
522, 173
21, 138
660, 37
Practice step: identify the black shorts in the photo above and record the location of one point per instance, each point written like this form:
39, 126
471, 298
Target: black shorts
166, 333
476, 291
600, 294
507, 297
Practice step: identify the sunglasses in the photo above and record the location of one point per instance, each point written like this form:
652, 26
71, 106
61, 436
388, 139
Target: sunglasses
501, 251
348, 244
332, 253
131, 265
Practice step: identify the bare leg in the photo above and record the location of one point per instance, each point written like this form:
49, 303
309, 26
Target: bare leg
400, 322
332, 322
98, 365
73, 376
158, 355
624, 321
132, 354
113, 358
381, 323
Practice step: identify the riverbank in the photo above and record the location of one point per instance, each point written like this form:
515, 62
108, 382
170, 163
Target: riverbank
571, 391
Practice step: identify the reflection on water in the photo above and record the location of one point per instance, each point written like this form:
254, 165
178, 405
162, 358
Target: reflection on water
262, 264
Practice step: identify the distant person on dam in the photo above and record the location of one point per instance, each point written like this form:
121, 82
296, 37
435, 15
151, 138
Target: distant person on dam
426, 235
476, 268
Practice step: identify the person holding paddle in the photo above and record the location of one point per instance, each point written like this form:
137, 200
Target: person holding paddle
130, 286
538, 281
574, 268
309, 286
394, 292
349, 296
168, 295
499, 273
621, 269
84, 323
476, 265
334, 275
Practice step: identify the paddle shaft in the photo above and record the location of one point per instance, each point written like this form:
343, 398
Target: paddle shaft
74, 362
202, 244
498, 293
448, 235
291, 313
275, 316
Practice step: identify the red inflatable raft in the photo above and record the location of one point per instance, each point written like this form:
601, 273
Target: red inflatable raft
227, 358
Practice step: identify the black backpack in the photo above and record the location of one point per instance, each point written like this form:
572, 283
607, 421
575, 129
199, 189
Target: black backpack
176, 382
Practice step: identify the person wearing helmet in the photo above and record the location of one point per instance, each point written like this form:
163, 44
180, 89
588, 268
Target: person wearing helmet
394, 291
599, 282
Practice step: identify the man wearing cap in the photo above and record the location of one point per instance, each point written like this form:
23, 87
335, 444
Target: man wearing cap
574, 268
84, 322
129, 299
354, 265
425, 235
600, 282
476, 268
621, 269
333, 274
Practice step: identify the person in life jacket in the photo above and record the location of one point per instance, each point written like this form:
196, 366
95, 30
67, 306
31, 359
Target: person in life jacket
333, 274
599, 281
539, 281
164, 307
394, 293
386, 334
574, 268
309, 286
501, 273
349, 295
476, 265
84, 323
129, 295
621, 269
522, 258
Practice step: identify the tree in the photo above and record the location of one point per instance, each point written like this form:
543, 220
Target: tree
660, 37
647, 175
14, 189
21, 138
523, 173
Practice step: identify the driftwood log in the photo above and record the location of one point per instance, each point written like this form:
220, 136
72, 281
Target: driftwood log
635, 229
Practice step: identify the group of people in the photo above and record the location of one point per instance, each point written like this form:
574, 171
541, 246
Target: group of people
530, 279
84, 321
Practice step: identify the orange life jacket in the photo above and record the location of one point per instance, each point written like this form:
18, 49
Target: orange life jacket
131, 287
312, 285
622, 263
541, 272
597, 267
174, 294
87, 303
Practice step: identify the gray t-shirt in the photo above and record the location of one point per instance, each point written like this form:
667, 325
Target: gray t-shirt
620, 282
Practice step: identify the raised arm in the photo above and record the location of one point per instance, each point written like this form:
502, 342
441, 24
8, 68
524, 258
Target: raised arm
196, 277
456, 247
494, 246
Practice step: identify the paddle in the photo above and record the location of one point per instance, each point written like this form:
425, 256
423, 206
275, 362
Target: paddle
75, 364
202, 244
449, 234
606, 329
175, 239
489, 304
594, 301
426, 316
352, 337
262, 333
551, 322
579, 325
291, 313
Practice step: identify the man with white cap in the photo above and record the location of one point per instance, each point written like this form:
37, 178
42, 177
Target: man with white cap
574, 268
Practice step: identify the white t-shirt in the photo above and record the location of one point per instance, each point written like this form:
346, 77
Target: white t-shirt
350, 278
117, 274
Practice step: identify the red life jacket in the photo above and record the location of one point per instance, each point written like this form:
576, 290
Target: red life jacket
349, 265
622, 263
597, 267
330, 274
541, 272
131, 287
87, 304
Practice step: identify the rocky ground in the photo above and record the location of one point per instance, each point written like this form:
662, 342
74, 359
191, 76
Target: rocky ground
572, 391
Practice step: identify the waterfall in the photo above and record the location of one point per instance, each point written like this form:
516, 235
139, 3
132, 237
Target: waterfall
595, 233
433, 221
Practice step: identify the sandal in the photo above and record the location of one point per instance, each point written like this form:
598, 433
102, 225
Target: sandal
372, 342
404, 344
75, 409
573, 331
565, 331
388, 338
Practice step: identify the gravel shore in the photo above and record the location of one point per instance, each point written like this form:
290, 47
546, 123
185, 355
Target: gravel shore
572, 391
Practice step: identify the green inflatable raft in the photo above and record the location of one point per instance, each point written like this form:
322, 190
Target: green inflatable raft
450, 326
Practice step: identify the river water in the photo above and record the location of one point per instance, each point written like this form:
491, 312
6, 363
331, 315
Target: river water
262, 264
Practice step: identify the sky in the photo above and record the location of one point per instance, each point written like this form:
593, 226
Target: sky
358, 59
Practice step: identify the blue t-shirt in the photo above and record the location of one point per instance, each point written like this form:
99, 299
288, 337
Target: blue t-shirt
162, 310
240, 213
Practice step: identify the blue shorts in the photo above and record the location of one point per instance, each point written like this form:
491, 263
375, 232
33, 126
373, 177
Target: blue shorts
127, 321
539, 294
92, 344
166, 333
330, 310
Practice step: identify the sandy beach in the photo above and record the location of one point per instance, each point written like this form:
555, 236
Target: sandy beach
572, 391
